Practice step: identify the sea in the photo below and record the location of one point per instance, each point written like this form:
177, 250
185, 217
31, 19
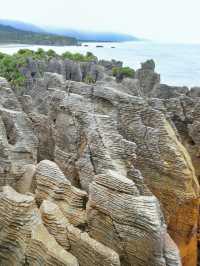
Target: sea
178, 64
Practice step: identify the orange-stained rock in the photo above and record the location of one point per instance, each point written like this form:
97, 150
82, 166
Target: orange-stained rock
110, 163
168, 171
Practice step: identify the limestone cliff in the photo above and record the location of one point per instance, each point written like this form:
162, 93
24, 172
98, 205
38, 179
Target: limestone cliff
103, 174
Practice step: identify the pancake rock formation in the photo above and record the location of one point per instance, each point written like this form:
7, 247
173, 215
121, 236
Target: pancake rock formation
103, 174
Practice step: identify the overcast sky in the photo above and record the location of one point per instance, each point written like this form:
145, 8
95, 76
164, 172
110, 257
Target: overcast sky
162, 20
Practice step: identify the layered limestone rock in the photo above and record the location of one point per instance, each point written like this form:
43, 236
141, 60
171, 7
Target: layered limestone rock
159, 151
24, 240
112, 167
44, 250
184, 112
147, 77
52, 184
70, 70
181, 106
92, 140
18, 143
87, 250
125, 228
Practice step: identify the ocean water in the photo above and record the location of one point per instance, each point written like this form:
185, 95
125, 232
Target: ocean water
178, 64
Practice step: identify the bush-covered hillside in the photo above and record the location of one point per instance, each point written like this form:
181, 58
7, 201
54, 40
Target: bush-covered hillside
12, 35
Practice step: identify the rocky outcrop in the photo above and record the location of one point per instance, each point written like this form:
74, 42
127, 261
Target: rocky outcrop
108, 65
4, 83
194, 92
70, 70
52, 184
147, 77
18, 143
108, 172
159, 151
24, 240
164, 91
87, 250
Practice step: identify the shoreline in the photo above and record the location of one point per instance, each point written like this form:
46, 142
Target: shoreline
169, 58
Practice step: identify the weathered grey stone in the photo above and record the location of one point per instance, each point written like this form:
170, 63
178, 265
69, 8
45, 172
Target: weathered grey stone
110, 64
87, 250
24, 239
107, 154
149, 64
4, 82
18, 145
194, 92
52, 184
72, 70
55, 66
147, 77
166, 92
92, 70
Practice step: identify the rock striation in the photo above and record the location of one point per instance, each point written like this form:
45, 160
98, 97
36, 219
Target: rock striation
80, 244
24, 240
102, 174
52, 184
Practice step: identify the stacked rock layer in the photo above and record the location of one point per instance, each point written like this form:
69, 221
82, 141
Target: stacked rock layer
103, 174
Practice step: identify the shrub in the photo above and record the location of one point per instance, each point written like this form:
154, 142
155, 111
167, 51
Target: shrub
91, 57
10, 64
9, 68
51, 53
122, 72
25, 52
40, 54
79, 57
67, 55
89, 79
2, 56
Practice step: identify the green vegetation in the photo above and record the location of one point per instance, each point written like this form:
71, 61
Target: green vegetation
9, 68
123, 72
79, 57
11, 35
51, 53
89, 80
11, 65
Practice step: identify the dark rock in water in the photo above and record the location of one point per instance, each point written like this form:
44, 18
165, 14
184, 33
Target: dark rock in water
99, 46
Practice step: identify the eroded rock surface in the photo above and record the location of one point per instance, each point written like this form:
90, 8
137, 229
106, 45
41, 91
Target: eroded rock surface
108, 173
24, 240
80, 244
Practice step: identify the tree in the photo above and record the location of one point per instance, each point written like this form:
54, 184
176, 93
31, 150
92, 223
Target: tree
123, 72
